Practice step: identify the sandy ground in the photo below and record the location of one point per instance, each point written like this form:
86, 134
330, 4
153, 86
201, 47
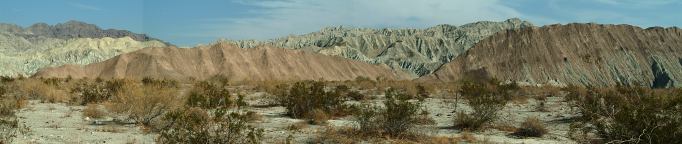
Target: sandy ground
60, 123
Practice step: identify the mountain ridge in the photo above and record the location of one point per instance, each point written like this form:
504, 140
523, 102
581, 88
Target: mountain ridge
418, 51
237, 64
578, 54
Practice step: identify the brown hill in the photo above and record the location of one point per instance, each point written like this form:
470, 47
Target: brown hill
263, 63
581, 54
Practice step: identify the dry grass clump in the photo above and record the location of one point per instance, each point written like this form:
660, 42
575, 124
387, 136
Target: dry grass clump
143, 103
345, 135
298, 126
532, 127
195, 125
93, 111
630, 114
37, 89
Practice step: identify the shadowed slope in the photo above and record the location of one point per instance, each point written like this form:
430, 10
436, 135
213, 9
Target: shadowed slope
581, 54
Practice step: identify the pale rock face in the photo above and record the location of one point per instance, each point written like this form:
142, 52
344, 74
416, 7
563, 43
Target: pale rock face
26, 58
24, 51
416, 51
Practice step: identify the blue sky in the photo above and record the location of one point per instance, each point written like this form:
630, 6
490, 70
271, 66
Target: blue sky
191, 22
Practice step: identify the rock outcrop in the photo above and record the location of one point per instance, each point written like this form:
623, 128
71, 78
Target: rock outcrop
579, 54
417, 51
24, 50
237, 64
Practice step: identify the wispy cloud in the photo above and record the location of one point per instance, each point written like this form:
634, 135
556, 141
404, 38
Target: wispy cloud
85, 7
274, 18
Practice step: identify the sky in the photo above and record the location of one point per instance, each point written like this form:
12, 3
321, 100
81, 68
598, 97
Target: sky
191, 22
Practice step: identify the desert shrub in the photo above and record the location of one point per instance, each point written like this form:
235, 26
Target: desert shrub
398, 116
8, 121
36, 89
195, 125
422, 93
318, 117
8, 128
160, 82
355, 95
207, 94
3, 90
98, 91
7, 106
486, 99
93, 111
367, 119
306, 96
631, 114
143, 104
532, 127
5, 79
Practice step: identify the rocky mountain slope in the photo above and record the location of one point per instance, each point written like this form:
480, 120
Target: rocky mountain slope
24, 50
417, 51
581, 54
260, 64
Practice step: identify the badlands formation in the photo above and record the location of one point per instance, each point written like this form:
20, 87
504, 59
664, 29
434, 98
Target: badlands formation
416, 51
257, 64
578, 54
25, 50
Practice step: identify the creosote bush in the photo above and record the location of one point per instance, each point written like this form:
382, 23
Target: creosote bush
630, 114
486, 98
195, 125
395, 120
303, 98
208, 94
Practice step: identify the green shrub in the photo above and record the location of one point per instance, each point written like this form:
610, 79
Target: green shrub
209, 95
304, 97
195, 125
632, 114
